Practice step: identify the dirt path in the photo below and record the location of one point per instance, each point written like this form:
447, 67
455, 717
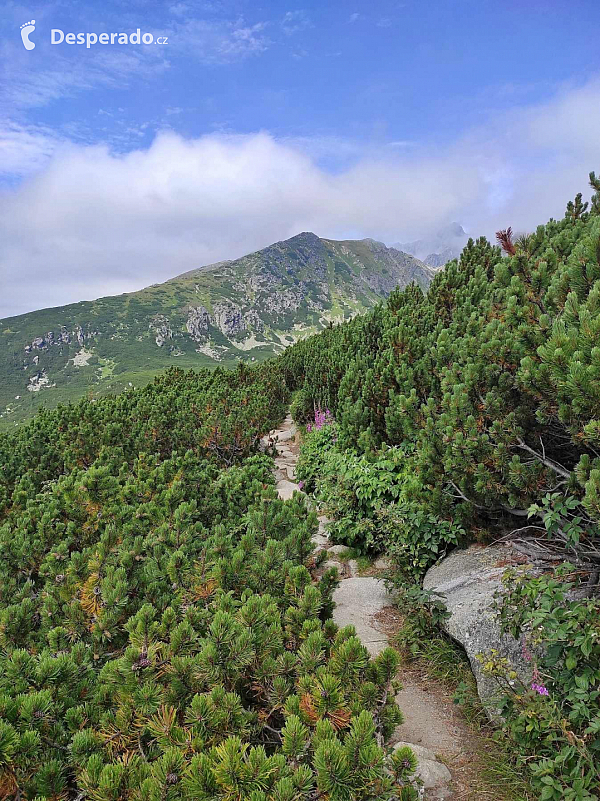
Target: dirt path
443, 742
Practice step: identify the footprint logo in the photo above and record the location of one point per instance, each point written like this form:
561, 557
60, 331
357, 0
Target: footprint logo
26, 29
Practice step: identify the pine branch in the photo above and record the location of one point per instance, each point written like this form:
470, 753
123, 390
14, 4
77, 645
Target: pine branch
504, 239
562, 471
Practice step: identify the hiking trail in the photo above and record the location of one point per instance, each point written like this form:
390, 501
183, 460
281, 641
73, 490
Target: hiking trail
443, 743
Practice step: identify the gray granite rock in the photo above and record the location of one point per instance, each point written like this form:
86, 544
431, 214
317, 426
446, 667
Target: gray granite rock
352, 565
419, 750
285, 489
468, 580
357, 601
435, 775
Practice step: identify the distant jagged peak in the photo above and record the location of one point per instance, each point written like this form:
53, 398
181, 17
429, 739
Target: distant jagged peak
454, 229
438, 248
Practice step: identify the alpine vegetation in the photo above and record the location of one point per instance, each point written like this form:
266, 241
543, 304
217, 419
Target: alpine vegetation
471, 414
162, 635
166, 628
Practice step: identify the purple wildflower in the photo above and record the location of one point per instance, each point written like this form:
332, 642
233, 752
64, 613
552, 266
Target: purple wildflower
539, 688
322, 418
526, 653
301, 484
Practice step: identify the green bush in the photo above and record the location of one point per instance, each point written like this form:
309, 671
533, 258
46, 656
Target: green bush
557, 716
317, 445
161, 635
302, 406
353, 488
414, 537
372, 501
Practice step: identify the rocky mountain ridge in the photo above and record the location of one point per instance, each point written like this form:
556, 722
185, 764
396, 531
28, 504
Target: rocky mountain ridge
247, 308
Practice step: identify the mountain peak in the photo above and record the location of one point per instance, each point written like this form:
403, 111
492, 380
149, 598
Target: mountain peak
455, 229
304, 236
439, 248
244, 309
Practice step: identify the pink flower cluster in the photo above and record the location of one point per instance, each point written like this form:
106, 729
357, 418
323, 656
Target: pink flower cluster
321, 419
536, 686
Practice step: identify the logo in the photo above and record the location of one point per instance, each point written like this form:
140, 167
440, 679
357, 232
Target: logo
26, 29
58, 37
89, 39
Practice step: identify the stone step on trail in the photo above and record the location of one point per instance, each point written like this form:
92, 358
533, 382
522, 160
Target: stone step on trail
320, 542
357, 600
286, 489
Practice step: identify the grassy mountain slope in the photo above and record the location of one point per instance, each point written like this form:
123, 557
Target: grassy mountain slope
246, 309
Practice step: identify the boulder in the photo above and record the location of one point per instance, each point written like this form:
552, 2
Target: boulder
468, 579
435, 775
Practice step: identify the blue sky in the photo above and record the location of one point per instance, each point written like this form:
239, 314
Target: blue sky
257, 120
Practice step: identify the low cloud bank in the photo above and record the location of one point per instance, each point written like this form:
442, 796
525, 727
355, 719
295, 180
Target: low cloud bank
90, 222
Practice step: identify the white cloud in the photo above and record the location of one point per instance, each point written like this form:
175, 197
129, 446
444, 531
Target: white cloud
24, 149
92, 222
219, 42
26, 88
179, 9
295, 21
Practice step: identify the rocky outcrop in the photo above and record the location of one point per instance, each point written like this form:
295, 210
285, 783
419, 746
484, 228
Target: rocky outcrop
229, 319
253, 322
39, 381
161, 328
63, 337
469, 579
275, 302
198, 323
